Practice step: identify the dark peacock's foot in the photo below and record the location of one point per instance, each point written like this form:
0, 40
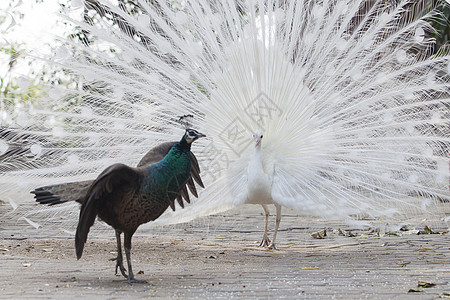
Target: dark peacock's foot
134, 280
119, 265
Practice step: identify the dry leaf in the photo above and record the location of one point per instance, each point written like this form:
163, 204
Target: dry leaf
404, 228
67, 271
319, 234
426, 250
346, 233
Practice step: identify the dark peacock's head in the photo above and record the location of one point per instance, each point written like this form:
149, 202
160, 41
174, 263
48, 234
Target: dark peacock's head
192, 134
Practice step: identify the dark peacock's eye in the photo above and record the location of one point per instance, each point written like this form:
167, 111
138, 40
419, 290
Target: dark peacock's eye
261, 136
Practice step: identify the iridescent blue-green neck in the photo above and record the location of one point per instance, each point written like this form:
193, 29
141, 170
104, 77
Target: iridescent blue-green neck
183, 144
182, 147
177, 161
168, 176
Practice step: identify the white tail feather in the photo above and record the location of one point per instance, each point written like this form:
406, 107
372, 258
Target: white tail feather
354, 110
34, 224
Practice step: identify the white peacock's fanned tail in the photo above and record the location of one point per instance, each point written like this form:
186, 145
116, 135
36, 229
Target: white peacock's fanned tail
354, 108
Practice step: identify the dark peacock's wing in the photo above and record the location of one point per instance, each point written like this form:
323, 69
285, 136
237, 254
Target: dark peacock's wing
195, 174
156, 154
111, 191
176, 188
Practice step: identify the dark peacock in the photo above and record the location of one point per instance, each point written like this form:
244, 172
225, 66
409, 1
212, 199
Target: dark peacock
76, 191
126, 197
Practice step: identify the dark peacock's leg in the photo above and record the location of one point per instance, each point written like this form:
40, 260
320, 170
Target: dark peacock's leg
277, 224
127, 246
265, 240
119, 258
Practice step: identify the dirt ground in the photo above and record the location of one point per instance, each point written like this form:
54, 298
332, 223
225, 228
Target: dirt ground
219, 258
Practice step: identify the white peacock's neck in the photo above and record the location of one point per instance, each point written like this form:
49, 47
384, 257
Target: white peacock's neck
258, 148
257, 153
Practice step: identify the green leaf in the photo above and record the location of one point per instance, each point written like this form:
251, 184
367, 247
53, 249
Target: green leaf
415, 291
423, 284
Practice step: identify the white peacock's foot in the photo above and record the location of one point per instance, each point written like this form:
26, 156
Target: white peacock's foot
272, 247
265, 241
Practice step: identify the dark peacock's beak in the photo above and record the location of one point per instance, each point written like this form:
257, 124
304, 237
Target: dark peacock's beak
199, 135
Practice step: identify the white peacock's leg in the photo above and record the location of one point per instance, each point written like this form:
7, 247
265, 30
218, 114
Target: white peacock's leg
265, 239
277, 224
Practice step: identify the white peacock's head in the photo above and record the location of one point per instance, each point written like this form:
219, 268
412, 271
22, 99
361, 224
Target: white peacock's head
257, 137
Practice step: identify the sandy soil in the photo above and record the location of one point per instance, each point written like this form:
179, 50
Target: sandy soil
219, 258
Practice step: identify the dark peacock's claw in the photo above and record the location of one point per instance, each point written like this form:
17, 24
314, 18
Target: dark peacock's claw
134, 280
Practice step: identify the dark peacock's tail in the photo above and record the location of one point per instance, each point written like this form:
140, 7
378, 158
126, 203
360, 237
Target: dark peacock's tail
88, 214
61, 193
89, 209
